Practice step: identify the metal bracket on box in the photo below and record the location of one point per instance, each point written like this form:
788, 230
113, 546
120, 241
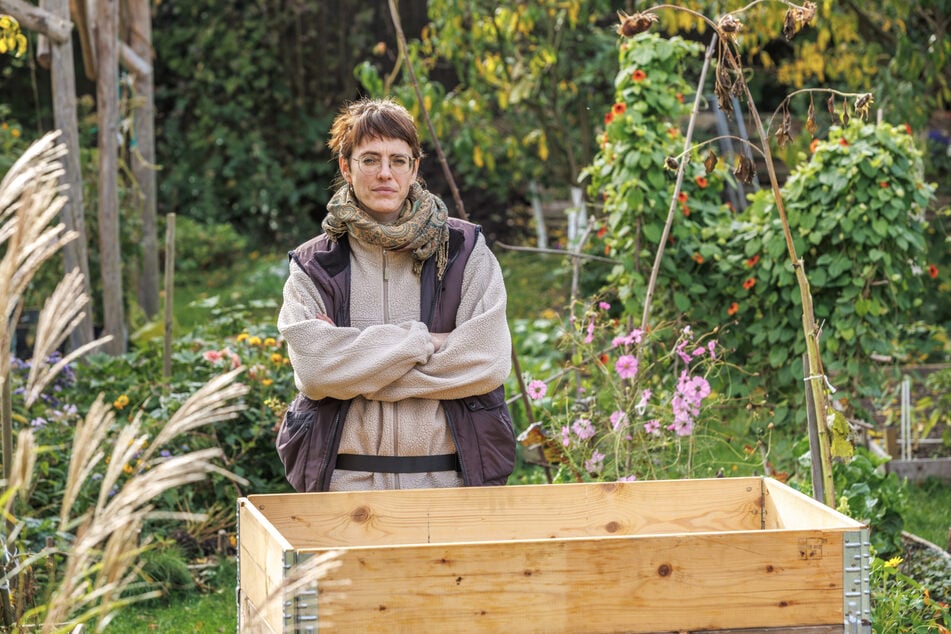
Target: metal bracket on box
856, 589
300, 611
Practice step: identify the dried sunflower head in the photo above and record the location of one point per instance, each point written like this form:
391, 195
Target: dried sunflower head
730, 26
798, 17
635, 23
862, 104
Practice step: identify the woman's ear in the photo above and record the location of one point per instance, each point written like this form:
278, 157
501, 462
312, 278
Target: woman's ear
344, 165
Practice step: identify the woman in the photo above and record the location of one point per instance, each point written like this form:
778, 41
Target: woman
395, 323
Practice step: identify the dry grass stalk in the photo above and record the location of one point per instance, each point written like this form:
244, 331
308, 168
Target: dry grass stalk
87, 451
302, 576
62, 313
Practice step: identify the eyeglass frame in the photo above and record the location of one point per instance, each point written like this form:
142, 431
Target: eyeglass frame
410, 162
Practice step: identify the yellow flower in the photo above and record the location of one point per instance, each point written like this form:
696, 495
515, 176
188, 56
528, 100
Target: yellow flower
254, 341
893, 562
266, 382
277, 358
232, 540
127, 469
121, 402
15, 132
270, 342
242, 337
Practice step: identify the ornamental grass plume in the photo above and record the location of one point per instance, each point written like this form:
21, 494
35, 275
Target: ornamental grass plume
102, 563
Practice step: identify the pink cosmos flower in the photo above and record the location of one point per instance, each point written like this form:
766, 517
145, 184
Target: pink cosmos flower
565, 435
642, 404
590, 336
628, 478
604, 305
652, 427
595, 463
626, 366
583, 428
213, 356
537, 389
711, 346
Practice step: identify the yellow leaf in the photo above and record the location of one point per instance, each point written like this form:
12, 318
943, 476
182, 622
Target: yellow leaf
477, 156
543, 149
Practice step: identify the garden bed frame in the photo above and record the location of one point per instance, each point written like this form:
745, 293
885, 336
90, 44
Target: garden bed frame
659, 556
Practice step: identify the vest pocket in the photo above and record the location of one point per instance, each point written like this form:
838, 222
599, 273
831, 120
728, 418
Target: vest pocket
293, 445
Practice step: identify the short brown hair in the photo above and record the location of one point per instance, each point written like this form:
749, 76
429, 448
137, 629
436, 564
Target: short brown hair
373, 119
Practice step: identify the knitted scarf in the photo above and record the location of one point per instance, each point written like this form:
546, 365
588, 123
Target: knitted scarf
420, 228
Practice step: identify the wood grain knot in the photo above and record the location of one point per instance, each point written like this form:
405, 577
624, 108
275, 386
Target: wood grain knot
458, 581
612, 527
664, 570
769, 568
360, 514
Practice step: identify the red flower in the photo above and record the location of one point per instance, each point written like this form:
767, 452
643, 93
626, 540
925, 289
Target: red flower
883, 184
697, 258
608, 118
680, 97
813, 145
603, 230
618, 109
684, 208
753, 260
843, 143
682, 197
638, 75
749, 283
673, 132
701, 182
734, 307
907, 128
932, 271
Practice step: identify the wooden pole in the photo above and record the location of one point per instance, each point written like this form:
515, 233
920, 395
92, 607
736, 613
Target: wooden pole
143, 154
815, 446
63, 81
169, 293
107, 103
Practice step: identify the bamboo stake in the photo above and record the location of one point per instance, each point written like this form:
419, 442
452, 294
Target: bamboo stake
169, 294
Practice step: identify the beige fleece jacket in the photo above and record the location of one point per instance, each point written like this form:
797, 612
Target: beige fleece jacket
385, 361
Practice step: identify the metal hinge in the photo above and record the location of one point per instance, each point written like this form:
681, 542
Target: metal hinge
300, 611
856, 588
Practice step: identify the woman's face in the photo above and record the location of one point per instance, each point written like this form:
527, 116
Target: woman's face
381, 172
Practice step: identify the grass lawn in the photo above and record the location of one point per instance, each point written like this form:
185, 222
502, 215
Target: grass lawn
929, 511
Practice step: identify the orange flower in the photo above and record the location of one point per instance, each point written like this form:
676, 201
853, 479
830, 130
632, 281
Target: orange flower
638, 75
603, 230
680, 97
883, 184
618, 109
933, 271
684, 208
907, 128
701, 182
608, 118
753, 260
749, 283
682, 197
697, 258
813, 145
673, 132
732, 310
843, 143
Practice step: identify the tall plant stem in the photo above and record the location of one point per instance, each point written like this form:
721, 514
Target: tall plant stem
813, 371
671, 212
404, 53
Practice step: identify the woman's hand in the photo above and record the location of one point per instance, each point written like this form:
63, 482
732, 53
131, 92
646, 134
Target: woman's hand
438, 339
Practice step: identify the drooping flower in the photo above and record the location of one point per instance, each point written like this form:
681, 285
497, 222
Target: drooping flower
701, 182
697, 258
608, 118
618, 109
626, 366
933, 271
618, 420
537, 389
753, 260
732, 310
749, 283
813, 146
638, 75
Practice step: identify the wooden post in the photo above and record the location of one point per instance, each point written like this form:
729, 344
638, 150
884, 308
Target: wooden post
815, 447
63, 80
143, 154
169, 293
107, 103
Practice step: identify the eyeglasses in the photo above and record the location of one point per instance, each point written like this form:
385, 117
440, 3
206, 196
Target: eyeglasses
370, 165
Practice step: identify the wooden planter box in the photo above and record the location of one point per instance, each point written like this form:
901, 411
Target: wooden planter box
658, 556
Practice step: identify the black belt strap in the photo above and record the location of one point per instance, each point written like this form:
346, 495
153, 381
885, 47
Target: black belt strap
399, 464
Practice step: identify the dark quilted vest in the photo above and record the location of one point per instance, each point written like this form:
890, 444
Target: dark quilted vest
481, 426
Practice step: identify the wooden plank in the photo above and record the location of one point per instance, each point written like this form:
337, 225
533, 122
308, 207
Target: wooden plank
422, 516
921, 469
787, 508
261, 565
607, 584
